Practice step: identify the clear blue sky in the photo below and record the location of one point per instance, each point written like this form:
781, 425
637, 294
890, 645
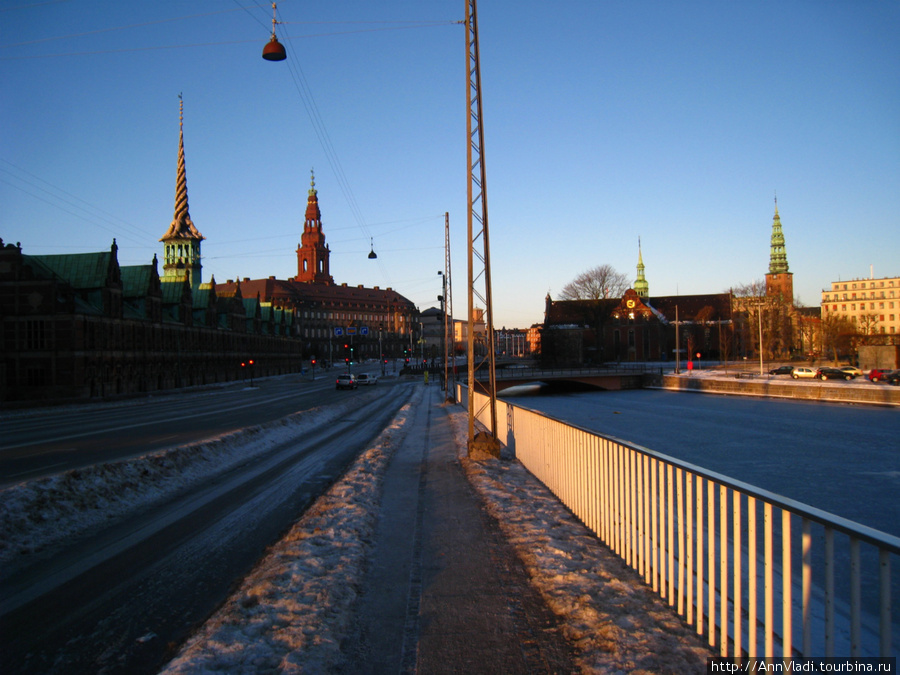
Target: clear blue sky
604, 121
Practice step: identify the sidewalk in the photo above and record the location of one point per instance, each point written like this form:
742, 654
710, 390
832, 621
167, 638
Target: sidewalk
445, 592
420, 560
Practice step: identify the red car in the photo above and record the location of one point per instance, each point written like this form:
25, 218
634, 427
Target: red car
877, 374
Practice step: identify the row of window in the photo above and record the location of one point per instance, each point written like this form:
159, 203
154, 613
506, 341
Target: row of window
862, 306
862, 296
350, 316
862, 284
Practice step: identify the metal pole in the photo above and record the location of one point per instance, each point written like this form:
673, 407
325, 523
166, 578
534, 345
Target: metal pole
478, 210
759, 315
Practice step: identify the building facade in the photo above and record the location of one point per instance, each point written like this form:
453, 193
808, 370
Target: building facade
872, 305
371, 321
80, 325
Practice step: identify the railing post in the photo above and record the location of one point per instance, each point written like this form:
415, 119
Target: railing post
752, 590
738, 582
807, 586
786, 588
723, 570
884, 594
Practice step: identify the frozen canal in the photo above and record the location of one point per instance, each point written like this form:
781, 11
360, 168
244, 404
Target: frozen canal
841, 458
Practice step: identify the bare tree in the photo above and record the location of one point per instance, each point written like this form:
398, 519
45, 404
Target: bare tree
770, 314
837, 334
596, 283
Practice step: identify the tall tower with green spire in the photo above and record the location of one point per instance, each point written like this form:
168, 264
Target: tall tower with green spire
641, 287
779, 281
181, 241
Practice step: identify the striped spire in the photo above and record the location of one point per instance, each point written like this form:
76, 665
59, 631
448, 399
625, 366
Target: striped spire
182, 227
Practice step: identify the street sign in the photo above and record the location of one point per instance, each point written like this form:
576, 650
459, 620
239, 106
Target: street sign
338, 331
351, 330
364, 330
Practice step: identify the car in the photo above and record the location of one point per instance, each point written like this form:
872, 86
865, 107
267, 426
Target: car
893, 378
801, 371
877, 374
782, 370
365, 378
346, 381
853, 370
828, 373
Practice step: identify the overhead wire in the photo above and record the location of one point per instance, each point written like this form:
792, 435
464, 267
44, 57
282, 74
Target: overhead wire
321, 130
65, 201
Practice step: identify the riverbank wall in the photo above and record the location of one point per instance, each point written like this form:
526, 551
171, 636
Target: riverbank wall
749, 384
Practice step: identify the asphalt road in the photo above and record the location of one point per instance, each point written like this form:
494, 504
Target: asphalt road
51, 440
122, 600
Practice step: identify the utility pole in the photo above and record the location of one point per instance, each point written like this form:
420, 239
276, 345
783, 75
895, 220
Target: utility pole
449, 347
478, 247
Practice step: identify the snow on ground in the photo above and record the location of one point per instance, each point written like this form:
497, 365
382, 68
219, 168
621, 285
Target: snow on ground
37, 515
291, 611
615, 621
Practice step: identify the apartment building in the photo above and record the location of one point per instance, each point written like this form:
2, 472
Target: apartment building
872, 304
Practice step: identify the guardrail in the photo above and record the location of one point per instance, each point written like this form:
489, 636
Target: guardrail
518, 372
752, 571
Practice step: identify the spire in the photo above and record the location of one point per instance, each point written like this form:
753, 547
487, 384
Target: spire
313, 215
778, 263
182, 240
182, 227
313, 253
641, 287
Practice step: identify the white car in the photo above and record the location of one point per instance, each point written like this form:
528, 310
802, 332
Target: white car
364, 378
853, 370
803, 372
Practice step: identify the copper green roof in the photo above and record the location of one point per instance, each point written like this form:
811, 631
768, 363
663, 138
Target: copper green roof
136, 280
82, 271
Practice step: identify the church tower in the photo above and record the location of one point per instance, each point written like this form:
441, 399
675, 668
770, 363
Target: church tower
779, 281
641, 287
181, 256
313, 252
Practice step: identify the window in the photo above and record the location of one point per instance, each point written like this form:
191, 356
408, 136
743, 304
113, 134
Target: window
35, 335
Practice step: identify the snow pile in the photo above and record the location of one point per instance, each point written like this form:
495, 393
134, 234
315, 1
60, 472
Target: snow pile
37, 515
616, 623
292, 610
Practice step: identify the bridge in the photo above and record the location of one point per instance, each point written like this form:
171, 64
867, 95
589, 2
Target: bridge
610, 377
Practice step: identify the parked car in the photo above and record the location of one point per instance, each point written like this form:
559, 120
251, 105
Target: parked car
893, 378
364, 378
801, 371
828, 373
346, 381
877, 374
853, 370
782, 370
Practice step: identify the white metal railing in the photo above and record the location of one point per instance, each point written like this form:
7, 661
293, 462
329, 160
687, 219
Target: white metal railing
753, 572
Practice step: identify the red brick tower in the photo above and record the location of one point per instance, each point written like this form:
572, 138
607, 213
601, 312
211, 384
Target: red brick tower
313, 252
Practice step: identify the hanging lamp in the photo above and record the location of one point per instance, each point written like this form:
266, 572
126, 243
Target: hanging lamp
372, 254
274, 50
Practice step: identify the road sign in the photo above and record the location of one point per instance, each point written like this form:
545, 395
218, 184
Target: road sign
338, 331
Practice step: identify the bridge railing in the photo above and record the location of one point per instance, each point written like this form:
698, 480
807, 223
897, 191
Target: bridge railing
537, 373
753, 572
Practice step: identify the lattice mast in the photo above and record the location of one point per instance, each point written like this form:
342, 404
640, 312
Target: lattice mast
478, 239
449, 346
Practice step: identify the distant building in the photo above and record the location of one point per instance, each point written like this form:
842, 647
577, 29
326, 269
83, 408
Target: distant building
779, 280
873, 305
374, 321
80, 325
632, 328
